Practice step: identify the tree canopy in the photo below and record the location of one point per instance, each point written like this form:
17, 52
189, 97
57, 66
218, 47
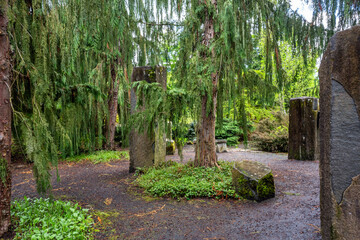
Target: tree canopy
65, 53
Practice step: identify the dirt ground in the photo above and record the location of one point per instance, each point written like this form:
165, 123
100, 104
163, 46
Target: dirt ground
124, 212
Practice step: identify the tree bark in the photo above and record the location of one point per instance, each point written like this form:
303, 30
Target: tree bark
5, 121
113, 103
205, 151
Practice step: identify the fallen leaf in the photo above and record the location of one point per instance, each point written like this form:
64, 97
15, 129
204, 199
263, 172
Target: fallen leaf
316, 227
292, 194
149, 213
110, 165
20, 183
108, 201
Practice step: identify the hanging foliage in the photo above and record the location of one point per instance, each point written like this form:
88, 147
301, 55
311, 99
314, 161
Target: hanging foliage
62, 75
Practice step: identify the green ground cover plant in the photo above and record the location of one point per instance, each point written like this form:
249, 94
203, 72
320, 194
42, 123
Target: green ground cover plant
185, 181
100, 156
47, 219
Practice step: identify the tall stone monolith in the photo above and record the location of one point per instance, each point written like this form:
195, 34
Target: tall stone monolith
339, 76
146, 147
303, 128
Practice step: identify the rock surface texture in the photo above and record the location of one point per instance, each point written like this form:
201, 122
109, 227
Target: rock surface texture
339, 75
221, 145
253, 180
303, 128
142, 145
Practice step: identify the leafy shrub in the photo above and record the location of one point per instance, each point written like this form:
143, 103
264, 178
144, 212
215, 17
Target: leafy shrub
100, 156
191, 134
271, 134
232, 141
177, 180
46, 219
229, 129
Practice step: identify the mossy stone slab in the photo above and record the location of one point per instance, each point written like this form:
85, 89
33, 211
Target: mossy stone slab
253, 180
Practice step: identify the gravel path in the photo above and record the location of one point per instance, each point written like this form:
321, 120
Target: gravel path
293, 214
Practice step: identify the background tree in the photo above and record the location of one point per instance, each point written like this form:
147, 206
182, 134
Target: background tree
63, 76
217, 47
5, 120
71, 58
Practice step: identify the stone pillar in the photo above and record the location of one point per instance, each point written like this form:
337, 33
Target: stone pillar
142, 145
303, 128
339, 75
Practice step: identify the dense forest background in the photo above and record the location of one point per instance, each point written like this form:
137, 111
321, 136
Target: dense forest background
232, 67
68, 81
73, 61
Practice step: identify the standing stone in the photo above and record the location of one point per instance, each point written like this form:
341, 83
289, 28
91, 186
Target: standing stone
339, 75
303, 130
143, 152
253, 180
160, 143
221, 145
170, 147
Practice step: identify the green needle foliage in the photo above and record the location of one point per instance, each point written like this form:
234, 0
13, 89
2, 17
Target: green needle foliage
65, 54
47, 219
177, 181
240, 26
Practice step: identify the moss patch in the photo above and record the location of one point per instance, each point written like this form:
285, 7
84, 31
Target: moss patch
3, 169
244, 186
266, 187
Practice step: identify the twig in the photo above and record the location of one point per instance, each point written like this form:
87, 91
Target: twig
162, 24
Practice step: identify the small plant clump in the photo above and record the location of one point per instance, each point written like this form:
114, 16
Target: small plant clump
100, 156
185, 181
48, 219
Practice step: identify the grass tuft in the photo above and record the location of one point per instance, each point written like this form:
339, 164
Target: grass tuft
177, 181
100, 156
46, 219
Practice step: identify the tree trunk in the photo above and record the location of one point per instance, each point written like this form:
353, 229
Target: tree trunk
113, 102
205, 154
5, 121
205, 151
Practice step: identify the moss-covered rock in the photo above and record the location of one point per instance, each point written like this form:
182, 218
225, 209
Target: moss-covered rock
253, 180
